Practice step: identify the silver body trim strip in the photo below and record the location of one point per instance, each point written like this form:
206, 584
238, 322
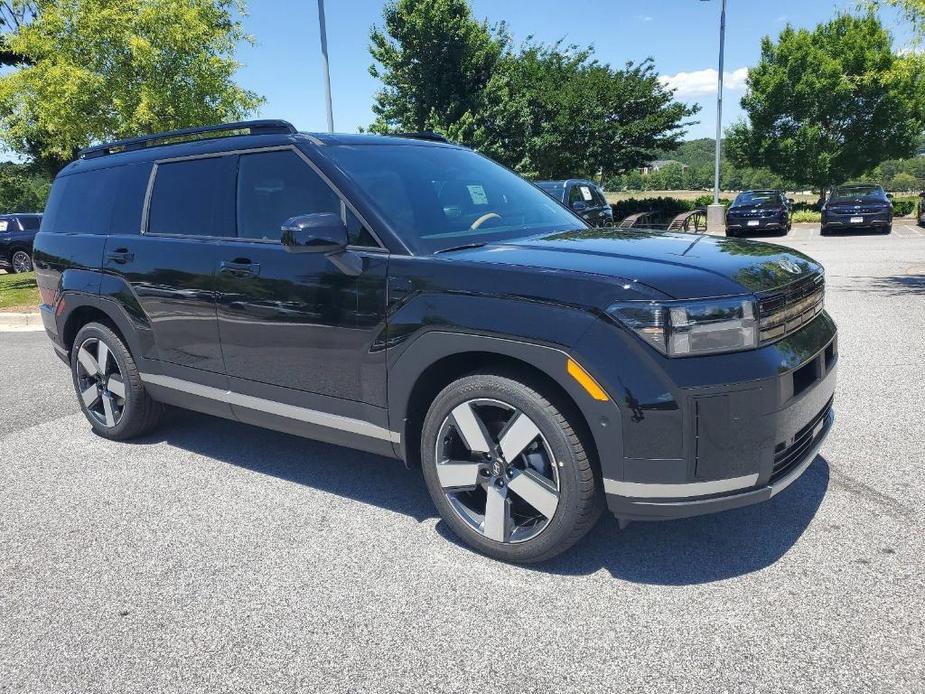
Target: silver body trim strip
648, 490
303, 414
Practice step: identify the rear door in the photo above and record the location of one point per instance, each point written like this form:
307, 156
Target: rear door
170, 265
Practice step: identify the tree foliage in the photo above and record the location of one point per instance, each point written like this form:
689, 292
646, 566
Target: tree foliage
545, 111
94, 70
22, 189
826, 105
434, 60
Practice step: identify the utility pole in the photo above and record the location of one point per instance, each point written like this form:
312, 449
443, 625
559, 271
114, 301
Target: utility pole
324, 65
716, 221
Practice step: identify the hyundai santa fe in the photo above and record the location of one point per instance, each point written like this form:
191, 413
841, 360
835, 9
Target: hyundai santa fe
409, 297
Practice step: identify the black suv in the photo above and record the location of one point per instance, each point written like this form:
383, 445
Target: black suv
582, 197
17, 233
412, 298
758, 210
858, 206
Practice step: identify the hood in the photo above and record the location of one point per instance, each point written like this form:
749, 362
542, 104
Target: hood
682, 266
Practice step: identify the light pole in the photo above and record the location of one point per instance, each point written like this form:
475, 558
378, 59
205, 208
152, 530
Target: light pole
716, 212
324, 65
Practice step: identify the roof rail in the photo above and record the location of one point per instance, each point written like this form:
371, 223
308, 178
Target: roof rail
426, 135
253, 127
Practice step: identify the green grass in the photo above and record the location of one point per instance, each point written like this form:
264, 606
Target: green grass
18, 292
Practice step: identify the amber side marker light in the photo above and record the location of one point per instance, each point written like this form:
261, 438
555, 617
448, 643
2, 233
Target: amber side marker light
586, 380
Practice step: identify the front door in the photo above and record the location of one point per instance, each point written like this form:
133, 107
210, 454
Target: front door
295, 329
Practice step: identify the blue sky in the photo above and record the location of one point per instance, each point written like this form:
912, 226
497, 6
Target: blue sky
682, 36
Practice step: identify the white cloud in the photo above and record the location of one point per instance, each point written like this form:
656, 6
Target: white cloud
703, 82
644, 18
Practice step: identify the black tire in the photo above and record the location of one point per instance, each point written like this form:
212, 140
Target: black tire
888, 229
824, 232
580, 495
138, 414
20, 260
732, 234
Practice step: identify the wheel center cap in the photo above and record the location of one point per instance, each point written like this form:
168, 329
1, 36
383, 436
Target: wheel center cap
497, 468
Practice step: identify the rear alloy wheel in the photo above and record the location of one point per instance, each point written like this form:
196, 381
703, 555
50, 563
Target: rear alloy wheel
109, 387
506, 469
21, 262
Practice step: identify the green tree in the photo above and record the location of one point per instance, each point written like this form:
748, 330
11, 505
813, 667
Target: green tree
22, 189
827, 105
554, 111
94, 70
434, 60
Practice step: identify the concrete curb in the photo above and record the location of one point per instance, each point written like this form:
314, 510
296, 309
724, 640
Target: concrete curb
20, 322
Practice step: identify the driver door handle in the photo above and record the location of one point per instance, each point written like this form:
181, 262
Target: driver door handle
240, 267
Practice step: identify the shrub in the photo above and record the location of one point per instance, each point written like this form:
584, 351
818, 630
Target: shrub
664, 208
904, 206
805, 216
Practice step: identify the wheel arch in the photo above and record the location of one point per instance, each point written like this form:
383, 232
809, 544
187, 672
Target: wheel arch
436, 359
89, 309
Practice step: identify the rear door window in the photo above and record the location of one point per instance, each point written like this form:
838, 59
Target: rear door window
30, 223
194, 197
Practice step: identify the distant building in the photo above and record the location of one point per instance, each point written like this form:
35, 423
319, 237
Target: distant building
659, 164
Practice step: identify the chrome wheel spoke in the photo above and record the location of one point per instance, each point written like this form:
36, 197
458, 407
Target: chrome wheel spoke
108, 410
496, 525
536, 491
87, 361
519, 433
458, 475
471, 428
115, 385
90, 395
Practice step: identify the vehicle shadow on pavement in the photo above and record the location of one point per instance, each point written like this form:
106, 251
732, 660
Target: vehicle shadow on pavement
702, 549
352, 474
680, 552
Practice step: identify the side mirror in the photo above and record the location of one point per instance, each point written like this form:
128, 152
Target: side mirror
322, 232
579, 206
889, 195
790, 201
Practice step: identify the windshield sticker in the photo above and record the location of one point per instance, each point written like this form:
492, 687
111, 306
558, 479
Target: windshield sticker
586, 193
477, 193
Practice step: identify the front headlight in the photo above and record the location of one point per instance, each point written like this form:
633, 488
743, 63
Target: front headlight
689, 328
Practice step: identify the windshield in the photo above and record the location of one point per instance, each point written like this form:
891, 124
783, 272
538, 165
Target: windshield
437, 198
756, 197
856, 192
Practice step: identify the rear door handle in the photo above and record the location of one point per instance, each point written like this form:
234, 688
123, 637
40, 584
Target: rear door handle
239, 268
120, 255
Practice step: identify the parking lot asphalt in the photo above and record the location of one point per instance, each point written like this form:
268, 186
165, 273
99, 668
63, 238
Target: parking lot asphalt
214, 556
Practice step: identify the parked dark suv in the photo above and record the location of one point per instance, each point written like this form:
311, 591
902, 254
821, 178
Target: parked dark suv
412, 298
582, 197
17, 233
854, 207
758, 210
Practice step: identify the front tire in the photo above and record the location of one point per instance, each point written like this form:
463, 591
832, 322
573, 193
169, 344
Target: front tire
109, 387
507, 468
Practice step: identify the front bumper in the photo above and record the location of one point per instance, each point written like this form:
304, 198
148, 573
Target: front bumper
701, 435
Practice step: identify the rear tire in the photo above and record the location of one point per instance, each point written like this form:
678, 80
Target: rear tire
21, 261
109, 388
534, 493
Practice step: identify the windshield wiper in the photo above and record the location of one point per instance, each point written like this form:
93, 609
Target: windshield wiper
461, 248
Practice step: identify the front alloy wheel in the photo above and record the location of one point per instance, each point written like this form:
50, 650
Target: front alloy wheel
21, 262
506, 464
497, 470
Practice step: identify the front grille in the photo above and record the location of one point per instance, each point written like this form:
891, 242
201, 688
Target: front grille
783, 311
788, 456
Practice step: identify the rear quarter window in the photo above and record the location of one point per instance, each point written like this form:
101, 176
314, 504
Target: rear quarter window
100, 201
